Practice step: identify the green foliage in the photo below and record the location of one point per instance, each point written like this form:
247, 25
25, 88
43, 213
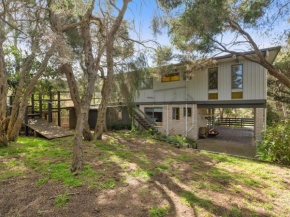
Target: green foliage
275, 144
177, 139
158, 211
121, 127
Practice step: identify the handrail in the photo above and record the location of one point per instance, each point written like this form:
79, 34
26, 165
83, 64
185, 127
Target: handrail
146, 117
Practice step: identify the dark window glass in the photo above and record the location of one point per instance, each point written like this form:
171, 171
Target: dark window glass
188, 112
175, 114
213, 78
155, 114
237, 77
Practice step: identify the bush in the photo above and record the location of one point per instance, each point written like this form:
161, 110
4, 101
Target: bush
121, 127
275, 144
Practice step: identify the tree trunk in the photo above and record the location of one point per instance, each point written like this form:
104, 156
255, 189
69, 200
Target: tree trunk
13, 134
106, 91
74, 92
77, 163
3, 95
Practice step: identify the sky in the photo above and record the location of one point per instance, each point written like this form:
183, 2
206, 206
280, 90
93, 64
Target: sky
141, 13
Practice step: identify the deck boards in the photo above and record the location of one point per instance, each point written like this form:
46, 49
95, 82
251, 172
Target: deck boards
48, 130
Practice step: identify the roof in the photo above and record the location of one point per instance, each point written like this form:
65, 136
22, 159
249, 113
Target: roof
248, 53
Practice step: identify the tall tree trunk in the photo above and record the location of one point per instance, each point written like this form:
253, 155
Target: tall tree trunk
77, 163
74, 92
3, 95
106, 92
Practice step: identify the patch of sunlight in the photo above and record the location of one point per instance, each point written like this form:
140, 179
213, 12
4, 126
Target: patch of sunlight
143, 174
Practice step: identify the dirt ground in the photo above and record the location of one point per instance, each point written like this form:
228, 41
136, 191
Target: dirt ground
129, 175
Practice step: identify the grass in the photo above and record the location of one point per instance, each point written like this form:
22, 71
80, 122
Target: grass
159, 211
61, 200
108, 184
152, 173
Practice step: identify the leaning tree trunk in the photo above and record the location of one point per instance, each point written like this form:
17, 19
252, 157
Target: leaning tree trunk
74, 92
106, 91
13, 134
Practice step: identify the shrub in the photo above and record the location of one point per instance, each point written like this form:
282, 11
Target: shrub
275, 144
121, 127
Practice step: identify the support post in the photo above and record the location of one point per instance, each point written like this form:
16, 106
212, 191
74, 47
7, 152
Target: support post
32, 103
58, 109
40, 105
50, 108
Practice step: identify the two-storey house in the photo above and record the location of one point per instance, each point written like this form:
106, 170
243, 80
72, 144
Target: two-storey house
178, 105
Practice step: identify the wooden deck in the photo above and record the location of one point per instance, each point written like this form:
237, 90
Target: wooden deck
48, 130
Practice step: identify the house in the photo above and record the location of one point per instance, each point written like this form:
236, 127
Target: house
178, 105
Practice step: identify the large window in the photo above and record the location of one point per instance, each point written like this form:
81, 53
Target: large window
175, 114
171, 77
213, 78
154, 114
237, 76
147, 84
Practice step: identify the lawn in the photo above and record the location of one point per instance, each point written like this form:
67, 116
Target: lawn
134, 175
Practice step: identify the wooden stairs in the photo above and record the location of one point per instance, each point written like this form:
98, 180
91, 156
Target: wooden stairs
144, 120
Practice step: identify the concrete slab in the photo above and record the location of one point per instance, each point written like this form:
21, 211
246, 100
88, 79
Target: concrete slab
231, 140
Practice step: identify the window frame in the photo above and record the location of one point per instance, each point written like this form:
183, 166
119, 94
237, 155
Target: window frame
171, 75
217, 78
175, 117
189, 114
240, 64
160, 123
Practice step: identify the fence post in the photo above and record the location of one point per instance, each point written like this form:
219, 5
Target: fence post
58, 109
40, 105
50, 108
32, 103
241, 122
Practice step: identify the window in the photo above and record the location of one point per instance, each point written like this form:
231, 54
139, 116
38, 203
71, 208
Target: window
213, 78
171, 77
154, 114
175, 114
237, 95
188, 112
237, 76
213, 96
147, 84
120, 115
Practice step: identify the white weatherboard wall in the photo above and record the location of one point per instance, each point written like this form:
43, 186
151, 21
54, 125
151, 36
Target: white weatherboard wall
254, 85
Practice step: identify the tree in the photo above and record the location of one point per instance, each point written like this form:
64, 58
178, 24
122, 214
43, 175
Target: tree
25, 22
202, 24
97, 36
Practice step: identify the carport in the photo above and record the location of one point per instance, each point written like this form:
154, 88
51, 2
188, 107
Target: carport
235, 138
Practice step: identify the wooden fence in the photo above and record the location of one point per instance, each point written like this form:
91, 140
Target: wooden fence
235, 122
